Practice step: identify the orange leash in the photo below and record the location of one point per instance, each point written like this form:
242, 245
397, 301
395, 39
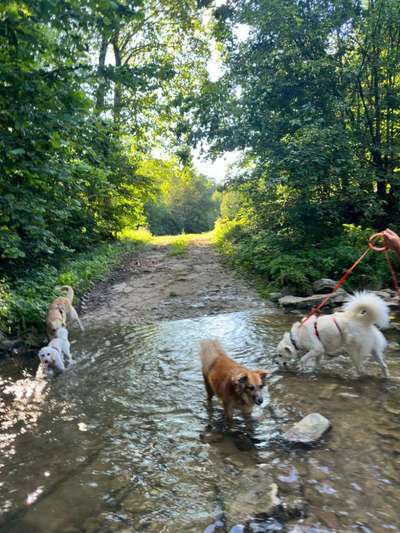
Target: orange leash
371, 246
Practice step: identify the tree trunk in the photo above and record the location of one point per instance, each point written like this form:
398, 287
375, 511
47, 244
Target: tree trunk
117, 83
101, 88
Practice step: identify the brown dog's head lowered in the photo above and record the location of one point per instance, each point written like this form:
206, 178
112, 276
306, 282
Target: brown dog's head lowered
248, 385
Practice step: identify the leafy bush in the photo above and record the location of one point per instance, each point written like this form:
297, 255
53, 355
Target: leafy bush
24, 302
140, 236
279, 263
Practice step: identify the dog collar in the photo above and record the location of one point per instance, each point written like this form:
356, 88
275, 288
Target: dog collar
293, 341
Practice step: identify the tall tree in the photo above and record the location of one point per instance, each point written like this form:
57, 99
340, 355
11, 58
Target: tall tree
67, 122
311, 96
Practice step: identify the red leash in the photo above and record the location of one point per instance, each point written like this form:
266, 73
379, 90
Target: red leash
371, 246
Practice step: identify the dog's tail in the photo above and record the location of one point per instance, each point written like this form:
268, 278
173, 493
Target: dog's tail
367, 307
62, 333
209, 353
69, 292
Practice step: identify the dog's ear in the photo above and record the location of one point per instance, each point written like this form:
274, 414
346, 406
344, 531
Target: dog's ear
240, 381
286, 337
264, 374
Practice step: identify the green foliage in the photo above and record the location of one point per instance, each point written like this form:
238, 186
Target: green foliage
140, 236
311, 99
232, 202
73, 134
67, 181
24, 302
68, 175
269, 258
184, 202
178, 246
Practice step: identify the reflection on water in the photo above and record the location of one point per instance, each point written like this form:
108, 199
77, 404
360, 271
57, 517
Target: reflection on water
124, 441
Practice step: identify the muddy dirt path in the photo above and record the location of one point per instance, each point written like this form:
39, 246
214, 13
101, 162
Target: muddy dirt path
152, 285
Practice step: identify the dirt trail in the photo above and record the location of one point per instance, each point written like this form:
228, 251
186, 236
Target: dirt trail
153, 285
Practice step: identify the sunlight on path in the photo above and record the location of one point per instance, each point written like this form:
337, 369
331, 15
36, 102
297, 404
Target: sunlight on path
163, 240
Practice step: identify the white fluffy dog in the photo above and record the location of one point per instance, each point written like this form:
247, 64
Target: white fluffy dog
353, 330
52, 355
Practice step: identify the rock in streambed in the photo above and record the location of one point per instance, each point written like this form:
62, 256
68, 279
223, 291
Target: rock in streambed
309, 430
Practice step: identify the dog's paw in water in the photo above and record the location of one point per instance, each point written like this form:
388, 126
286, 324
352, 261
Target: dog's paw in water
309, 366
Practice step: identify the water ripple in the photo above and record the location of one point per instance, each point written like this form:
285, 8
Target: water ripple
117, 439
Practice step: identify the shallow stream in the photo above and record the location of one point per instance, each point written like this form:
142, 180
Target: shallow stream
124, 441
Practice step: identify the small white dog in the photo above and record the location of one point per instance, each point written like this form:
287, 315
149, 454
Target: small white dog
52, 355
353, 330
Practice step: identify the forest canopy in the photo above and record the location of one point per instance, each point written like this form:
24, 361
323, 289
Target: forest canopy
307, 91
87, 91
310, 96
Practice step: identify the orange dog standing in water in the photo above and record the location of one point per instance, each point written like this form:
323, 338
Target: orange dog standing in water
236, 386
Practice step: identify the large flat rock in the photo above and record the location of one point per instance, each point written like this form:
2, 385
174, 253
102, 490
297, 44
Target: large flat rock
308, 302
309, 430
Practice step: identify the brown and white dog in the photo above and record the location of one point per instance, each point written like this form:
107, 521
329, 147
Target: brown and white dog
61, 310
236, 386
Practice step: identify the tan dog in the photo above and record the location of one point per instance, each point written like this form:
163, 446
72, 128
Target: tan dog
61, 310
236, 386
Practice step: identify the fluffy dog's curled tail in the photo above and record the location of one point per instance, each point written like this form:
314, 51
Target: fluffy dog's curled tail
70, 292
369, 308
209, 353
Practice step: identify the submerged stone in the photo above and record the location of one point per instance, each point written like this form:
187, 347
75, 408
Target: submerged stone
328, 392
211, 436
275, 296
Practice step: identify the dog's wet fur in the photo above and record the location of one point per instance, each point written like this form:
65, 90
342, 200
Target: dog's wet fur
236, 386
52, 356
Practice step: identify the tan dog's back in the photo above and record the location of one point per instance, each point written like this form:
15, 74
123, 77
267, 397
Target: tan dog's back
210, 351
218, 367
58, 310
69, 293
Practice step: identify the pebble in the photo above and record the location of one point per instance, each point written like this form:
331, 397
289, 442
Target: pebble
389, 434
393, 410
348, 395
329, 519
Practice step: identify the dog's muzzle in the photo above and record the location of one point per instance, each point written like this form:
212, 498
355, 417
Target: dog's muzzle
278, 360
258, 400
